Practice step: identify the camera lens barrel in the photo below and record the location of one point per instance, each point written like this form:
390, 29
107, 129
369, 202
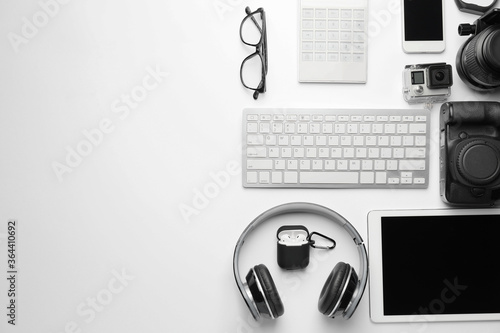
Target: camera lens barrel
491, 50
478, 60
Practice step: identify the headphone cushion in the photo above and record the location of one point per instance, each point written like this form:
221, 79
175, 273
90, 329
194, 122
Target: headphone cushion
270, 290
333, 291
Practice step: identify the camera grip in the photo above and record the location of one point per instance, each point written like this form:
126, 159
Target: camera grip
487, 113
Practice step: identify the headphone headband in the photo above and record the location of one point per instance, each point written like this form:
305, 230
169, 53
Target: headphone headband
303, 207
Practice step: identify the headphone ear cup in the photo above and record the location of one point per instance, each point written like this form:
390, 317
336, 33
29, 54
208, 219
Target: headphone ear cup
338, 290
264, 291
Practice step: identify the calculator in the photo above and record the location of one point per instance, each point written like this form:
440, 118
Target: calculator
333, 41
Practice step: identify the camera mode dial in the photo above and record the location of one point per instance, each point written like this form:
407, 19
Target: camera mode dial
478, 162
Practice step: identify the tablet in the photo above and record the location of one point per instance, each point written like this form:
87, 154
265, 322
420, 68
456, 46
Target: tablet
434, 265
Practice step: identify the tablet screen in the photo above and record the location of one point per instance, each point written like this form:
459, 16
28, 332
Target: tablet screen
440, 264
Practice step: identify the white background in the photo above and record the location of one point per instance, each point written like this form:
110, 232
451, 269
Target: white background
119, 211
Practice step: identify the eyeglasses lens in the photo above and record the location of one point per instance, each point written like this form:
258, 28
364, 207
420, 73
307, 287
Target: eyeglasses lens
251, 29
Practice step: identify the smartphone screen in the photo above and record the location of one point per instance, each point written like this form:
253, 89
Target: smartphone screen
423, 20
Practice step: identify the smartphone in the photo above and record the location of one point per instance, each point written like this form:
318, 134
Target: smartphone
423, 26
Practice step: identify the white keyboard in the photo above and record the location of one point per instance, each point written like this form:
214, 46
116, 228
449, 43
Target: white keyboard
333, 41
336, 148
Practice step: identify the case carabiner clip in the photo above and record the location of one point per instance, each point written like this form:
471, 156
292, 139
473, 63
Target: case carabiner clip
322, 247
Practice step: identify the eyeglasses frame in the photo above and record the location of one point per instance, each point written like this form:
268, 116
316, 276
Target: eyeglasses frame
260, 50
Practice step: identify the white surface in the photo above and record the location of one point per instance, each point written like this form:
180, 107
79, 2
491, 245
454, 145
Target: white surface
119, 211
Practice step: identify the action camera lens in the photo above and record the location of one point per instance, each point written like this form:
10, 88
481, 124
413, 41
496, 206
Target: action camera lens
439, 76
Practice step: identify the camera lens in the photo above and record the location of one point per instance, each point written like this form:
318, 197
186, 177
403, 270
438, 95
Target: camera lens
439, 76
492, 50
478, 60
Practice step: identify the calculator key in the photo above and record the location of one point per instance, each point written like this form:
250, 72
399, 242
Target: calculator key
345, 57
359, 25
307, 24
333, 13
346, 25
307, 46
320, 46
358, 14
320, 24
358, 57
333, 46
320, 56
346, 13
333, 35
307, 35
333, 24
333, 57
345, 35
345, 46
307, 13
358, 36
320, 13
320, 35
358, 47
307, 56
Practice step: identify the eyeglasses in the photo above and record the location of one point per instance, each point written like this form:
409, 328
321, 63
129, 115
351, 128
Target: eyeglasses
253, 69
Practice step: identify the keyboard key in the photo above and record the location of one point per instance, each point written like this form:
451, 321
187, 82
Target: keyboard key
259, 164
255, 139
418, 128
264, 177
276, 177
291, 177
367, 177
380, 177
329, 177
406, 165
252, 177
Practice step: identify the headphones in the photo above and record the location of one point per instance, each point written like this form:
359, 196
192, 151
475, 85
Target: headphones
342, 290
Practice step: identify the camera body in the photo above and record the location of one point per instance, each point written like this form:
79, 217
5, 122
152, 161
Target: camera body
470, 153
427, 83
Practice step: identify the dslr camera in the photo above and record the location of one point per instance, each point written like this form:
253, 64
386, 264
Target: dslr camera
427, 83
470, 153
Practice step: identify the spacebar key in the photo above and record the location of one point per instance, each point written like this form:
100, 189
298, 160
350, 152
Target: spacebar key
329, 177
